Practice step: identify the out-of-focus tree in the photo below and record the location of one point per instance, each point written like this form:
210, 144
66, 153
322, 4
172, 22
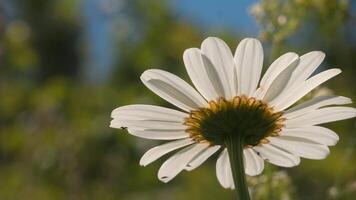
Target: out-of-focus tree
289, 20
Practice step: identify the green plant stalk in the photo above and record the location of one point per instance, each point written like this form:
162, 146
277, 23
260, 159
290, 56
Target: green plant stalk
235, 146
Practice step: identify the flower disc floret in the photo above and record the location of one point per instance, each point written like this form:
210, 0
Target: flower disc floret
246, 118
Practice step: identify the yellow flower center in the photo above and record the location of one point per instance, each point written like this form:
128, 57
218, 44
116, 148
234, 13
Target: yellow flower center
249, 119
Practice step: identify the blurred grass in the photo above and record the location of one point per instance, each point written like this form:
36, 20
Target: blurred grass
55, 142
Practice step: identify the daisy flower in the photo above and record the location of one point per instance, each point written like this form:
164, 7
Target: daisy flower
231, 111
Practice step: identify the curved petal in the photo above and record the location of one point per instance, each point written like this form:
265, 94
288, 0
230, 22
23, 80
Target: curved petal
309, 62
300, 147
279, 65
279, 83
314, 104
175, 164
276, 156
173, 89
293, 95
259, 93
158, 151
277, 69
221, 57
203, 74
316, 134
249, 59
147, 125
321, 116
152, 129
159, 134
223, 170
254, 164
148, 112
201, 158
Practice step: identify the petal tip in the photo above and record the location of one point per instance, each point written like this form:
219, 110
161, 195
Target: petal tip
112, 125
211, 38
338, 70
142, 163
250, 39
164, 179
145, 76
211, 42
190, 50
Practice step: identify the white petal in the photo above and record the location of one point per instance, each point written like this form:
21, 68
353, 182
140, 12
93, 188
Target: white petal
229, 175
288, 60
173, 89
223, 170
276, 156
259, 93
201, 158
321, 116
293, 95
277, 67
249, 60
221, 57
147, 125
253, 163
178, 161
148, 112
300, 147
314, 104
151, 122
279, 83
152, 129
159, 134
158, 151
309, 62
203, 74
316, 134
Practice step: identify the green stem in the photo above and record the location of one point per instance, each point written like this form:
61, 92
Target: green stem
235, 149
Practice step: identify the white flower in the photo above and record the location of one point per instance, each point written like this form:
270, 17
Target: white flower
230, 100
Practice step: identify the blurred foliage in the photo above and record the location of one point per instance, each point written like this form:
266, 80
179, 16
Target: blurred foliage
55, 142
272, 185
279, 19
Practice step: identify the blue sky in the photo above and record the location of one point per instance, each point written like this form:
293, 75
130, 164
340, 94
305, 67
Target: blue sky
227, 14
232, 14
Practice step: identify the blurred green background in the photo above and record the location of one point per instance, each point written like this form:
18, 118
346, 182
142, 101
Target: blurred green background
65, 64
